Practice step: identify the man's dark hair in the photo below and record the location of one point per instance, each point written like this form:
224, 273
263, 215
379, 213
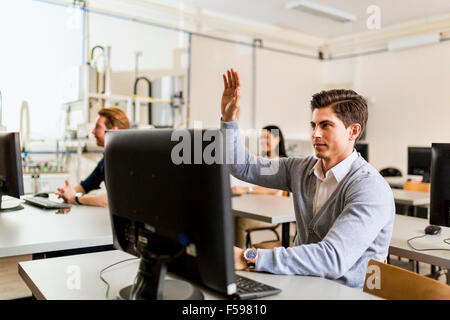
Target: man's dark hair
276, 132
349, 106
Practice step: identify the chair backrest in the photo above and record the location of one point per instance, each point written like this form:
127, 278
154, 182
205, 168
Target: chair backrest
394, 283
390, 172
417, 186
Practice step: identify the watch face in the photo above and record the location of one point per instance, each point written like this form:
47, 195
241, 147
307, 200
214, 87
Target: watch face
251, 254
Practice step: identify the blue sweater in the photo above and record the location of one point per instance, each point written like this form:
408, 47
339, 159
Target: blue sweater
353, 226
93, 181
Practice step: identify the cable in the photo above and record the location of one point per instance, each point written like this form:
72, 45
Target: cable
408, 241
106, 282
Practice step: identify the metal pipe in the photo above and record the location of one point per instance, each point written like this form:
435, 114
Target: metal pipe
149, 94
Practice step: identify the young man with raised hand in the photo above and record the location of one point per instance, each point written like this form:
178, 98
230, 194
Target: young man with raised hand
344, 208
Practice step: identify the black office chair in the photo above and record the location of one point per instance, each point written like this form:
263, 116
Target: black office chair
390, 172
248, 241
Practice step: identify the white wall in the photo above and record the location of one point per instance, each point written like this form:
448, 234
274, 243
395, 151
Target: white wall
409, 98
210, 59
39, 44
285, 84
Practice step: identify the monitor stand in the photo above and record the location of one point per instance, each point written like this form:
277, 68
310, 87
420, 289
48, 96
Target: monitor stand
151, 283
173, 290
5, 207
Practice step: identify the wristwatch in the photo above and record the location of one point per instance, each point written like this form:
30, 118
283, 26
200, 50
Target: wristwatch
77, 196
250, 256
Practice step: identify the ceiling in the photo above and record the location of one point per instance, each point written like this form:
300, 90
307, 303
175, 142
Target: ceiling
273, 12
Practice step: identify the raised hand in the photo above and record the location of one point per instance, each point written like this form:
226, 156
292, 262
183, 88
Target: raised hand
230, 105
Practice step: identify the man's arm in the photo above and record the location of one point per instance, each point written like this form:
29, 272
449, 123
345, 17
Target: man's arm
368, 209
79, 189
270, 173
99, 200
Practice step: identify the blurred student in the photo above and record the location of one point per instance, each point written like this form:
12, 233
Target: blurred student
109, 119
272, 147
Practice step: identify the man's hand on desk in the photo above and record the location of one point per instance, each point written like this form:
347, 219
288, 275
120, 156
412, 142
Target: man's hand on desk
67, 193
239, 190
239, 261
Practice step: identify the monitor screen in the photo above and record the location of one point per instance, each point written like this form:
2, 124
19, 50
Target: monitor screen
161, 207
363, 149
11, 177
419, 161
440, 185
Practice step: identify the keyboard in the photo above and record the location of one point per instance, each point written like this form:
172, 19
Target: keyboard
45, 203
251, 289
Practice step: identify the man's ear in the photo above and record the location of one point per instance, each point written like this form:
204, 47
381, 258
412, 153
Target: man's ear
355, 131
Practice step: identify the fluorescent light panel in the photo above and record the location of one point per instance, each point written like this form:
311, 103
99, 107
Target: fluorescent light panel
414, 41
321, 10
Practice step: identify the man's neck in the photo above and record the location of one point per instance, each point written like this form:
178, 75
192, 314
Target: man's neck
328, 164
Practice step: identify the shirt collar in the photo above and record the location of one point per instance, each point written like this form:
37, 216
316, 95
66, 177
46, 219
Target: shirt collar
339, 171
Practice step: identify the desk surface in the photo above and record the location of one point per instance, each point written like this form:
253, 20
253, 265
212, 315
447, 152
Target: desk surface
88, 266
33, 230
267, 208
405, 228
412, 198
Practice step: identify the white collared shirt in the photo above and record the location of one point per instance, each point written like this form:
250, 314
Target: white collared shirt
326, 184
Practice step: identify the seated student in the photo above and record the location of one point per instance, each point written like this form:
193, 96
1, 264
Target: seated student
273, 147
109, 119
344, 208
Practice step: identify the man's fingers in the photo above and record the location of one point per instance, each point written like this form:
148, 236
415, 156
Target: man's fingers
237, 79
233, 77
230, 79
225, 82
67, 183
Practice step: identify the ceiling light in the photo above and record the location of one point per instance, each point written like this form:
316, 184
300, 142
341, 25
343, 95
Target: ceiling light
414, 41
321, 10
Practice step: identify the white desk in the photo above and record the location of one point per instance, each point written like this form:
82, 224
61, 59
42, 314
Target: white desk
33, 230
266, 208
411, 198
36, 276
408, 227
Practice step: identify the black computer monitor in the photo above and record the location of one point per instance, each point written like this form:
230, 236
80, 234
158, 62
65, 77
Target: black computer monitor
363, 149
11, 177
170, 215
440, 185
419, 162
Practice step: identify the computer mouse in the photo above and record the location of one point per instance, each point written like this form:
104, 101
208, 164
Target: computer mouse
433, 230
41, 194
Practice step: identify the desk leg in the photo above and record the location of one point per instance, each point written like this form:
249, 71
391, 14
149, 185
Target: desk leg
285, 241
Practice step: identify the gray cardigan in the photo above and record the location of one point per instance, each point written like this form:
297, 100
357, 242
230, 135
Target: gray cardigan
353, 226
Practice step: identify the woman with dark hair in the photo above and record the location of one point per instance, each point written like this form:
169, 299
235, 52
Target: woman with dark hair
272, 146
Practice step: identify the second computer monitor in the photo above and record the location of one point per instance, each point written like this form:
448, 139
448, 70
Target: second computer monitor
419, 162
440, 185
11, 176
363, 149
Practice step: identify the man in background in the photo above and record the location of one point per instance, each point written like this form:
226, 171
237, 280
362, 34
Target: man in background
109, 119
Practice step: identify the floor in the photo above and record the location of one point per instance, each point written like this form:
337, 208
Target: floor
11, 284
